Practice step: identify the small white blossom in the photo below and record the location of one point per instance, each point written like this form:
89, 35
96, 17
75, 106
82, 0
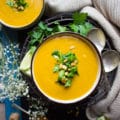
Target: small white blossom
10, 75
12, 85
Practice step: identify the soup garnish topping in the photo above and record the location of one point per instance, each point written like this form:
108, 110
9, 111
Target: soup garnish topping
19, 5
66, 67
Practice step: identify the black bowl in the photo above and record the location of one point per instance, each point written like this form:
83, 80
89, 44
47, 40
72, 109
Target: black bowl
87, 41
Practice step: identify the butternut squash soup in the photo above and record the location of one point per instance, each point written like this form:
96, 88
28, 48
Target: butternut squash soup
24, 14
88, 68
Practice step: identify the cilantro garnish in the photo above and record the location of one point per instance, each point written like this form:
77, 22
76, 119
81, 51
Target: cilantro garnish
79, 25
102, 118
19, 5
79, 18
66, 67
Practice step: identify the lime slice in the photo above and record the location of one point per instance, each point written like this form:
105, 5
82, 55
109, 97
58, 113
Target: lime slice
27, 72
26, 62
25, 65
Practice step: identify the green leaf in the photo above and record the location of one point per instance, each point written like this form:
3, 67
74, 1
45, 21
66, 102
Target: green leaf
61, 75
10, 3
102, 118
36, 35
32, 50
31, 43
85, 28
42, 26
62, 28
88, 27
66, 67
59, 28
56, 23
74, 70
22, 2
82, 30
49, 29
70, 56
68, 64
56, 54
74, 27
71, 75
56, 68
68, 83
79, 18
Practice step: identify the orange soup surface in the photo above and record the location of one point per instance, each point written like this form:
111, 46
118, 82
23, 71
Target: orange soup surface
16, 18
43, 64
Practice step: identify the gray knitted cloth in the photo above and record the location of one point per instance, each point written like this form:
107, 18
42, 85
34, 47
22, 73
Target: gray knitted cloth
107, 14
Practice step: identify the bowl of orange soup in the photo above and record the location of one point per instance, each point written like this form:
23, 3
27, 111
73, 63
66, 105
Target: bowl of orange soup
19, 14
53, 62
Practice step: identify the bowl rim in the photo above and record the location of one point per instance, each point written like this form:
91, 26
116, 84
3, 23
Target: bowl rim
98, 79
37, 18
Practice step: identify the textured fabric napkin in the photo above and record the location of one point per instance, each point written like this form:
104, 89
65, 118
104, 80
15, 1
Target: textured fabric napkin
107, 14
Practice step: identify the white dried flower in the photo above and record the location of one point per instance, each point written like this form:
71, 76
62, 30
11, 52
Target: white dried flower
13, 85
10, 75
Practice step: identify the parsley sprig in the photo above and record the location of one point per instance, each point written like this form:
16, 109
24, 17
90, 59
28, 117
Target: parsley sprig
66, 67
79, 25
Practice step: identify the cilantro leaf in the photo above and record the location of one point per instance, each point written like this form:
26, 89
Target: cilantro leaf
10, 3
82, 30
68, 83
66, 67
42, 26
32, 50
56, 54
56, 68
37, 34
74, 70
70, 75
70, 56
88, 27
61, 75
74, 27
59, 28
102, 118
79, 18
85, 28
21, 2
19, 5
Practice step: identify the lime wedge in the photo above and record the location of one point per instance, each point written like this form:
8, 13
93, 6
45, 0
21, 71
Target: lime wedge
27, 72
25, 65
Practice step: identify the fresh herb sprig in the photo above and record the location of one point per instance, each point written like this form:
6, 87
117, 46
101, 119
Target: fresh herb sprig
79, 25
102, 118
66, 67
37, 35
19, 5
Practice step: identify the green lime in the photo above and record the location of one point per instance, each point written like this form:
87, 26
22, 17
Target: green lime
25, 65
